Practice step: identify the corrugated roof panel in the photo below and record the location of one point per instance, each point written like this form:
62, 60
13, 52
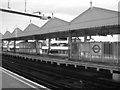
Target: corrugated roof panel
7, 35
16, 32
54, 25
30, 30
94, 17
55, 29
31, 27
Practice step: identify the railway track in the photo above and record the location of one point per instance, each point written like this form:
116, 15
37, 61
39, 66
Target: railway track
35, 76
25, 70
63, 78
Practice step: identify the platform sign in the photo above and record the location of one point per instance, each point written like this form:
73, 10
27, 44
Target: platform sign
84, 47
96, 48
74, 50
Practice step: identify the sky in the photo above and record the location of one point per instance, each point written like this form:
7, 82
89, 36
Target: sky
63, 9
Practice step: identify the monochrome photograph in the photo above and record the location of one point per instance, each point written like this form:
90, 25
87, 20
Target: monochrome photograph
59, 44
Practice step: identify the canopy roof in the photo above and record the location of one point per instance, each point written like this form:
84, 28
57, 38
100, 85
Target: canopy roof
53, 25
91, 22
29, 30
7, 35
16, 33
94, 17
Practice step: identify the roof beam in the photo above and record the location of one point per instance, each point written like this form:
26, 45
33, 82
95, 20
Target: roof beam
22, 13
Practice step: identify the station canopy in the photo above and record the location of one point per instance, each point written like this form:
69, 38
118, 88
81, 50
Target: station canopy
93, 21
30, 30
96, 21
7, 35
16, 33
54, 25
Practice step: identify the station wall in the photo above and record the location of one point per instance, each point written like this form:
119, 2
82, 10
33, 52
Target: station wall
96, 51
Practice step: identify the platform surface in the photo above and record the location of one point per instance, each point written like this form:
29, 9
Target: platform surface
10, 80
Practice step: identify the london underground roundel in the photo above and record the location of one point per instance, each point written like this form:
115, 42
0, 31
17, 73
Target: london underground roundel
96, 48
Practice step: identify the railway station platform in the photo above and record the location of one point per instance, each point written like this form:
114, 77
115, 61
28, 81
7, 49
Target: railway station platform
64, 60
12, 81
114, 69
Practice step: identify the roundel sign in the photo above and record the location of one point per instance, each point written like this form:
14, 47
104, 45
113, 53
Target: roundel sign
96, 48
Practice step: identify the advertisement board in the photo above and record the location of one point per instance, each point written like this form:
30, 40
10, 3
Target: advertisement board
75, 50
84, 47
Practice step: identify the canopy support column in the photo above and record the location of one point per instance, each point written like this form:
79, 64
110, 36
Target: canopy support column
2, 45
118, 53
14, 45
69, 45
85, 38
49, 40
37, 47
8, 48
